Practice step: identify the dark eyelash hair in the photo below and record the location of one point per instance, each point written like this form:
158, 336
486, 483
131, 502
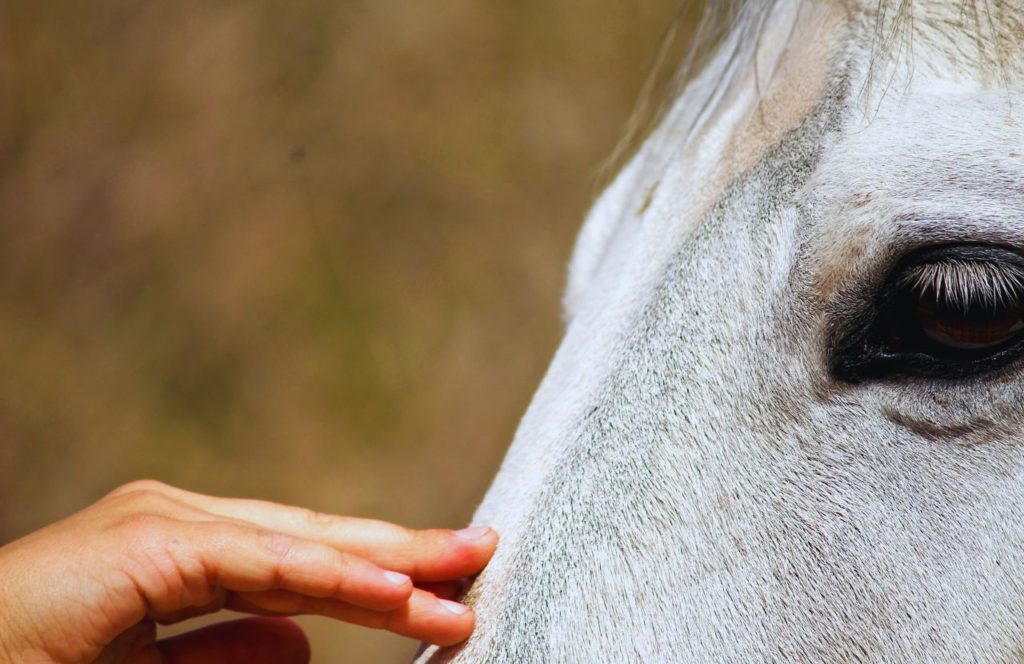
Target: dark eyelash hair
963, 285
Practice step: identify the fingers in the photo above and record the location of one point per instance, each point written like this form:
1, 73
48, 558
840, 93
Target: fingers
184, 563
445, 589
250, 641
272, 559
425, 617
425, 555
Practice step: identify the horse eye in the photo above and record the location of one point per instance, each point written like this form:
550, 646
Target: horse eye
945, 312
955, 332
937, 327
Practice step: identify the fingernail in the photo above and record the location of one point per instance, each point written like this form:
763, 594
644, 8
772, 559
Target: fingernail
396, 578
454, 607
473, 533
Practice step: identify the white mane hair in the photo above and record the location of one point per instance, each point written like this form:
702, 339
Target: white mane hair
694, 481
983, 37
978, 39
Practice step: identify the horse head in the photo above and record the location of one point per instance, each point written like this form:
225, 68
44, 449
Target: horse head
785, 420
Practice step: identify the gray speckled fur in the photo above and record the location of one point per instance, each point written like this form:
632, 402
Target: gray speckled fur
703, 491
619, 512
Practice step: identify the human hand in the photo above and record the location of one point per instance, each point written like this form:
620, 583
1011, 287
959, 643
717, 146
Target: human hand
90, 588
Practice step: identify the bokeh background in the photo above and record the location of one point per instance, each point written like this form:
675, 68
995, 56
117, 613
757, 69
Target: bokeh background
304, 250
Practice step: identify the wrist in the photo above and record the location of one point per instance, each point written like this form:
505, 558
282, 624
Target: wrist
16, 647
15, 642
12, 651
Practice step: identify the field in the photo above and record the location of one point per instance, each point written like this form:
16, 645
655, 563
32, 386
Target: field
310, 251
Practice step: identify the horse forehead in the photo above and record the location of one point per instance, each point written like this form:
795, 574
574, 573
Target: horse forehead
666, 192
938, 157
912, 58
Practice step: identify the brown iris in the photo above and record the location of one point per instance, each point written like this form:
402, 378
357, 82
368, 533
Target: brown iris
972, 329
945, 312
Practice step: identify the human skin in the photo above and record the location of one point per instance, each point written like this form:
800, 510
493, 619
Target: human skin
91, 588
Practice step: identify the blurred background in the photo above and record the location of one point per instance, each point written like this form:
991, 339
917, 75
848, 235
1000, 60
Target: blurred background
307, 250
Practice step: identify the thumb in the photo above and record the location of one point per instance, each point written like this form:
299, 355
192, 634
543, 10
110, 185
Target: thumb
249, 641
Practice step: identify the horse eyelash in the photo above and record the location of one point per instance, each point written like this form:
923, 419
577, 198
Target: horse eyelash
965, 284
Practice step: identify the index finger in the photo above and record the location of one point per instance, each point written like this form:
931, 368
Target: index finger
424, 555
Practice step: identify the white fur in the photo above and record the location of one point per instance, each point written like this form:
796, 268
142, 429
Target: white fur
690, 484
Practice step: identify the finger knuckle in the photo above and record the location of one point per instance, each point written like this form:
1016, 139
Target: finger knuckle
144, 502
146, 532
163, 559
346, 564
280, 548
138, 486
315, 519
431, 539
141, 496
279, 544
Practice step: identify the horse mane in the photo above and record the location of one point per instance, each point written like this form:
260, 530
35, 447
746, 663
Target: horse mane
985, 37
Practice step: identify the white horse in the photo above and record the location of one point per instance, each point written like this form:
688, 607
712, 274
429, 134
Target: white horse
785, 423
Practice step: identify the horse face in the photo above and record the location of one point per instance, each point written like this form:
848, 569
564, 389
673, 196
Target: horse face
785, 421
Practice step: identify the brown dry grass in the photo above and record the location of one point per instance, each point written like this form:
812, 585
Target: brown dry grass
310, 251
